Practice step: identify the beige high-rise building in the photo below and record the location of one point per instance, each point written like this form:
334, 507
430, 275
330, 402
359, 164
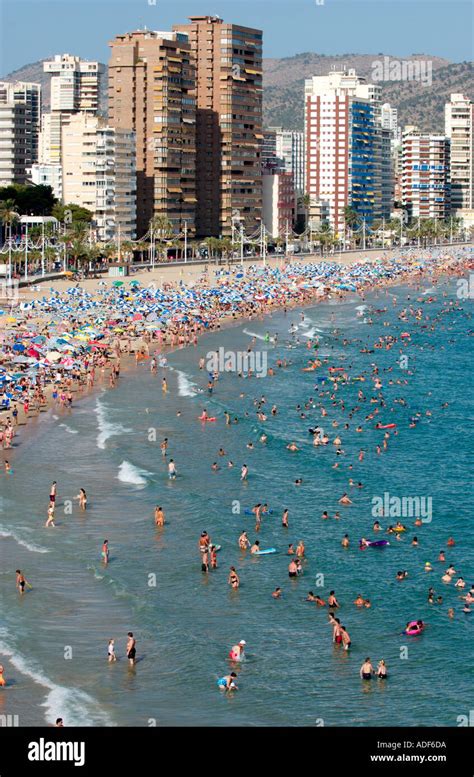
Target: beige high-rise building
98, 164
75, 86
459, 128
229, 124
152, 91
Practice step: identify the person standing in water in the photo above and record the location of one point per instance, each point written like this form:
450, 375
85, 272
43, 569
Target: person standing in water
367, 670
159, 516
82, 498
172, 471
21, 581
50, 517
3, 682
105, 552
111, 651
131, 648
52, 494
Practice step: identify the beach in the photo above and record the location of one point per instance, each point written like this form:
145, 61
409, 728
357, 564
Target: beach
53, 641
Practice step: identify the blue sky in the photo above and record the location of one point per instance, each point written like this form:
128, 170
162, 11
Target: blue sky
35, 29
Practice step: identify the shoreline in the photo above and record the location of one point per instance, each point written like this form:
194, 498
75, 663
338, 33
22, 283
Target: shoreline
138, 342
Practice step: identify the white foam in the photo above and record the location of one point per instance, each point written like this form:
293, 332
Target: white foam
186, 388
68, 429
128, 473
76, 707
253, 334
4, 532
106, 428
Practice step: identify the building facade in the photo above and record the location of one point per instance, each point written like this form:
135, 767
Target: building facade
348, 162
13, 143
228, 126
152, 92
47, 175
99, 174
459, 128
291, 151
75, 84
29, 95
426, 186
279, 204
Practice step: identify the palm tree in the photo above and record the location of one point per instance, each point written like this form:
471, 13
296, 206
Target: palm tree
161, 229
8, 216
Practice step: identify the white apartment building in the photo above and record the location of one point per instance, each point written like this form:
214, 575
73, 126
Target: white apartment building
13, 143
426, 190
75, 87
346, 147
29, 95
389, 121
290, 150
459, 128
75, 83
98, 165
48, 175
279, 204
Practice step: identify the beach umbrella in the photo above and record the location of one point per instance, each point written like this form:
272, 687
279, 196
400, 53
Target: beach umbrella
19, 347
117, 283
53, 356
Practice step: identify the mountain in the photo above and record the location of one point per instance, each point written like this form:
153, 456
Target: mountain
417, 103
283, 81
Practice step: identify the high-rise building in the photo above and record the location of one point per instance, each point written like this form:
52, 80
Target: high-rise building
279, 203
289, 148
47, 175
13, 142
29, 95
459, 128
152, 91
98, 164
426, 188
75, 86
268, 154
229, 124
389, 121
340, 131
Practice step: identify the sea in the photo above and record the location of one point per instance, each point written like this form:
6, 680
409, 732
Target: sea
53, 640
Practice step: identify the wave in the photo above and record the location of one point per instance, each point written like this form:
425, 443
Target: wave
253, 334
75, 706
68, 429
106, 428
186, 388
128, 473
28, 545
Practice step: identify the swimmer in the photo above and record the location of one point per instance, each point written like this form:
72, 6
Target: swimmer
236, 653
298, 481
450, 612
50, 517
292, 568
450, 543
377, 526
3, 682
21, 581
292, 446
277, 593
345, 541
82, 498
111, 657
346, 640
344, 500
172, 472
244, 541
244, 472
284, 519
300, 549
164, 446
367, 670
291, 550
105, 552
382, 670
131, 649
159, 516
233, 579
332, 601
255, 547
227, 683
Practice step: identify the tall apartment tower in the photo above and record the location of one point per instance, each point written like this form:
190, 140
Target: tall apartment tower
459, 128
290, 150
29, 95
228, 124
13, 142
98, 165
426, 188
152, 91
347, 157
75, 86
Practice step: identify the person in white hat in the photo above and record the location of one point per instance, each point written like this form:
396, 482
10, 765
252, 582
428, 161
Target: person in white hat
237, 651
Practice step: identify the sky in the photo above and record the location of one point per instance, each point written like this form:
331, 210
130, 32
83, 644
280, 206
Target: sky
36, 29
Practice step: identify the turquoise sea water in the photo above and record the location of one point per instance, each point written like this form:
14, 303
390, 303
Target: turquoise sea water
53, 642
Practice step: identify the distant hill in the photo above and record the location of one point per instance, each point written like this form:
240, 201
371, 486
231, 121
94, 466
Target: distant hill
283, 81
